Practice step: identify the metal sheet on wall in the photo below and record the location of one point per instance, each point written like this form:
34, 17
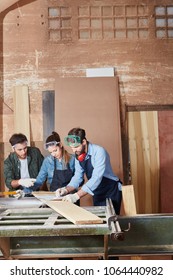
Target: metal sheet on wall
48, 105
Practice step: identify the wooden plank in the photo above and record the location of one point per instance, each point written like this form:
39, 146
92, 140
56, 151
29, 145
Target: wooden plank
153, 185
21, 111
45, 195
75, 214
165, 120
129, 202
144, 160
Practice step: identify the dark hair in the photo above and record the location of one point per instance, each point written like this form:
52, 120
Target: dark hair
53, 137
17, 138
78, 132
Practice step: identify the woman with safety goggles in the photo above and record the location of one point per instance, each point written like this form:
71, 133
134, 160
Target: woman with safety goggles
58, 167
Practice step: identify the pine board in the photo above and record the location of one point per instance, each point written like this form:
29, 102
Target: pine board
21, 110
77, 215
129, 200
144, 160
46, 195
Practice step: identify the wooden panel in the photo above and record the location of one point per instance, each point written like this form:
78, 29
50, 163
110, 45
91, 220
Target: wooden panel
166, 160
129, 203
72, 212
92, 104
21, 110
144, 160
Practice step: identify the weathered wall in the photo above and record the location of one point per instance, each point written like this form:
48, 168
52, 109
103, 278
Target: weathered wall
30, 54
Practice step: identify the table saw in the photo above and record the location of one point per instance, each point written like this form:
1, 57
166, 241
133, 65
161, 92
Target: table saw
30, 232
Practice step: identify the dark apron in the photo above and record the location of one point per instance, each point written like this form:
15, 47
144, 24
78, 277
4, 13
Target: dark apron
108, 188
61, 178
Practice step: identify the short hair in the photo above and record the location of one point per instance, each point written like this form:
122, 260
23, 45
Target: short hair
17, 138
78, 132
53, 137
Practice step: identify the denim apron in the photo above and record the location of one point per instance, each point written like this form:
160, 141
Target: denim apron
108, 188
61, 178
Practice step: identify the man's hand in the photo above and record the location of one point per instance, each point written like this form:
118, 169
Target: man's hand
19, 194
61, 192
71, 198
29, 182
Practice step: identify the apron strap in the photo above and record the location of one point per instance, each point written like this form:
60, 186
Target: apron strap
54, 163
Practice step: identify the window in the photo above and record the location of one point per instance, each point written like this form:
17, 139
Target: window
76, 22
60, 26
164, 21
112, 22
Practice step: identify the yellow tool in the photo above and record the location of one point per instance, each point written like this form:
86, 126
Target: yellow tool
8, 193
18, 194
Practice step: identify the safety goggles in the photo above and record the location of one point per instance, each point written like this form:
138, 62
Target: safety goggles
72, 140
50, 144
26, 142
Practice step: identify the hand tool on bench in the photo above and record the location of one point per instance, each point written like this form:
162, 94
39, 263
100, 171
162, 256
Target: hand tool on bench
7, 193
18, 193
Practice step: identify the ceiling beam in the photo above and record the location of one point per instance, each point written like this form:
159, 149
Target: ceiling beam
4, 4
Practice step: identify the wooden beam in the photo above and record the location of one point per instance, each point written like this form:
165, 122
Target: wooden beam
4, 4
75, 214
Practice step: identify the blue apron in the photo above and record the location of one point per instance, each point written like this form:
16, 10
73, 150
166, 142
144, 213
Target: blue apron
61, 178
108, 188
